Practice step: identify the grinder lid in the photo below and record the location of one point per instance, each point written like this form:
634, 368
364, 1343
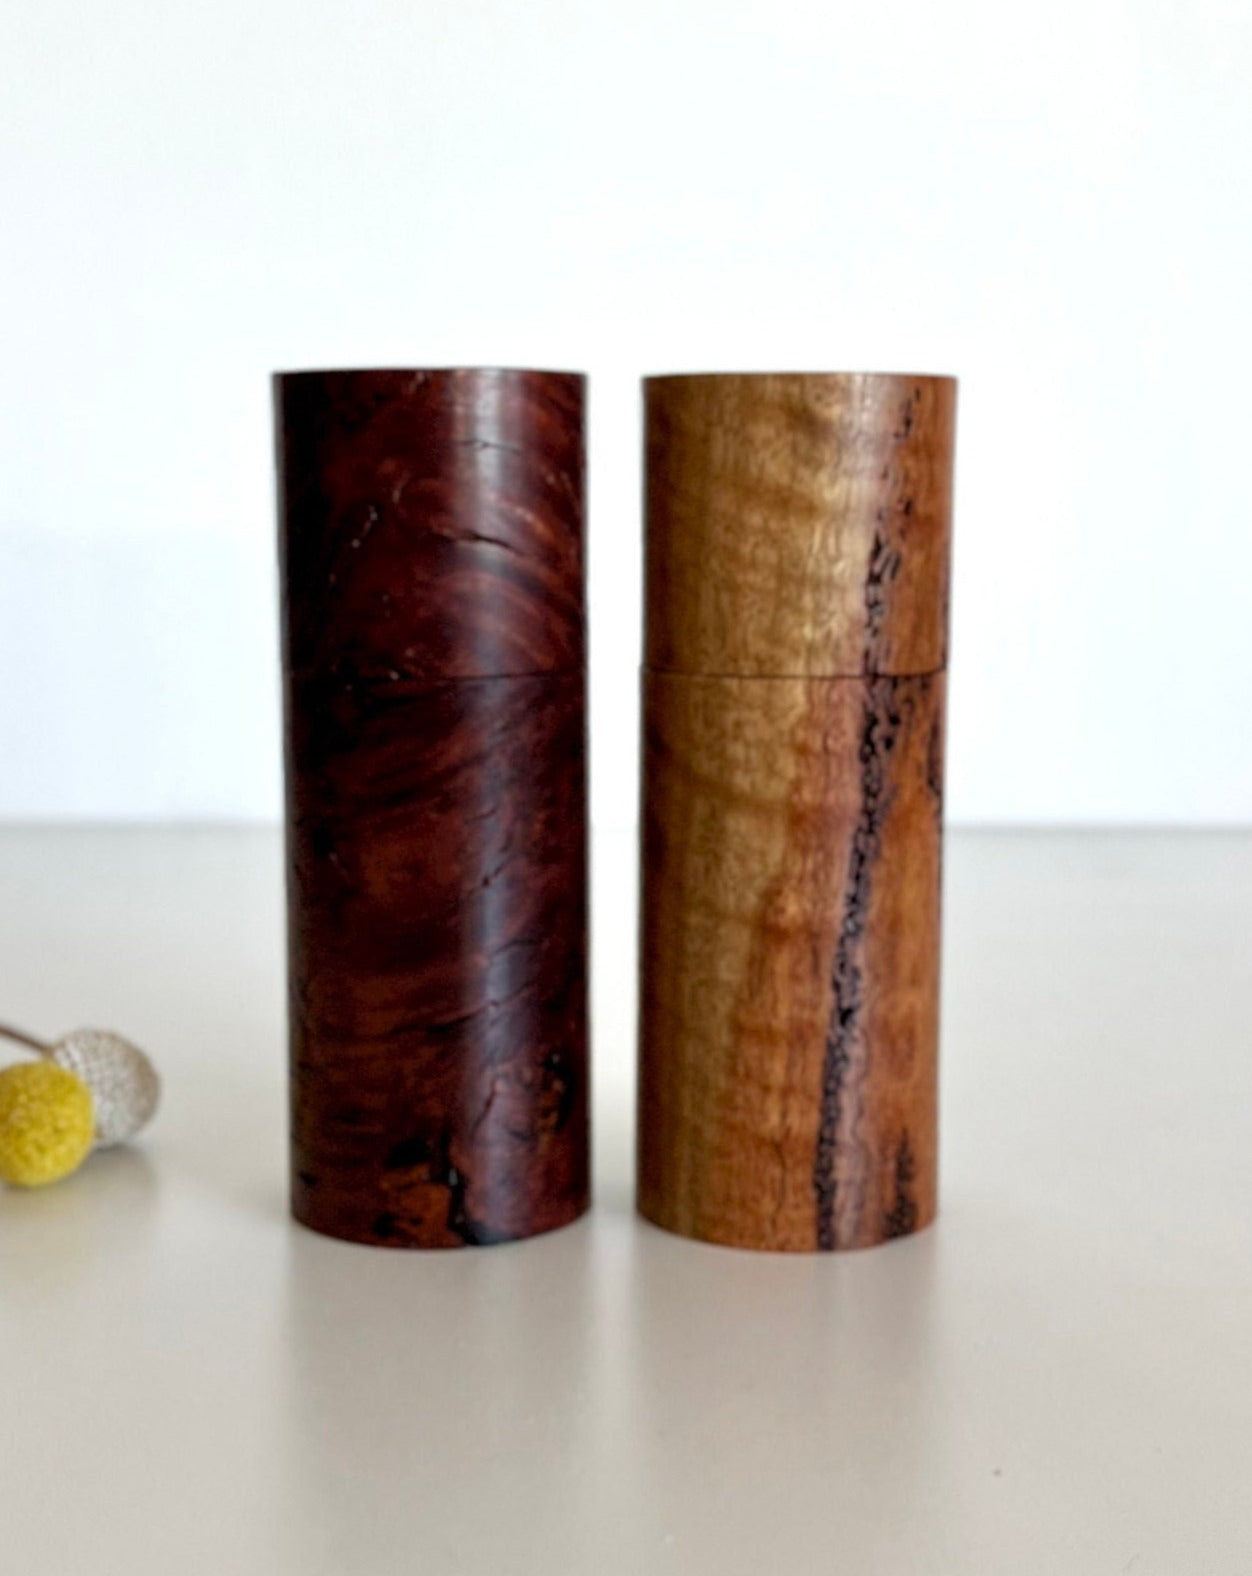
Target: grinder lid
431, 522
798, 524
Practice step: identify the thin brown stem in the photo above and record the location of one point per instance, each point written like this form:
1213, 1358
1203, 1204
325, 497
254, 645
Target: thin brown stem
10, 1033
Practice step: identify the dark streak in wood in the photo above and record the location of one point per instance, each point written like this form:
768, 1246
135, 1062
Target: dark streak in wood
901, 1219
880, 724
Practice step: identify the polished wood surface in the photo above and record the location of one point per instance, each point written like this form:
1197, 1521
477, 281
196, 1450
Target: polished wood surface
798, 524
435, 522
791, 851
792, 821
431, 529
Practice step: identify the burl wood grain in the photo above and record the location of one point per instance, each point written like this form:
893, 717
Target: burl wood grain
798, 524
791, 849
792, 821
435, 522
431, 528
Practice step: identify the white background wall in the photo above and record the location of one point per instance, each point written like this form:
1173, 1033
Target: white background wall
1052, 201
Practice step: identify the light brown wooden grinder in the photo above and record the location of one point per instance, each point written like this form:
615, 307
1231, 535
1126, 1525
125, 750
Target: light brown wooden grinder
798, 531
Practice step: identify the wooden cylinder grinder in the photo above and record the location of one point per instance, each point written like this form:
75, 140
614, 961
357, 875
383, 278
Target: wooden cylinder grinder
797, 565
431, 527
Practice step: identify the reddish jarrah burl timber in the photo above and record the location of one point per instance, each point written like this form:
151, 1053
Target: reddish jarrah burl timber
431, 538
796, 625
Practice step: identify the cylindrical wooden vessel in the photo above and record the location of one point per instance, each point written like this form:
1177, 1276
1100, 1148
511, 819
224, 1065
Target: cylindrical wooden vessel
431, 531
793, 691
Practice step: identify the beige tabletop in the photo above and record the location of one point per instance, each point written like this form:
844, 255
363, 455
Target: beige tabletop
1055, 1379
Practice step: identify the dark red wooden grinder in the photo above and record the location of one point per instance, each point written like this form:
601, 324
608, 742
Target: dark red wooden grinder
431, 539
